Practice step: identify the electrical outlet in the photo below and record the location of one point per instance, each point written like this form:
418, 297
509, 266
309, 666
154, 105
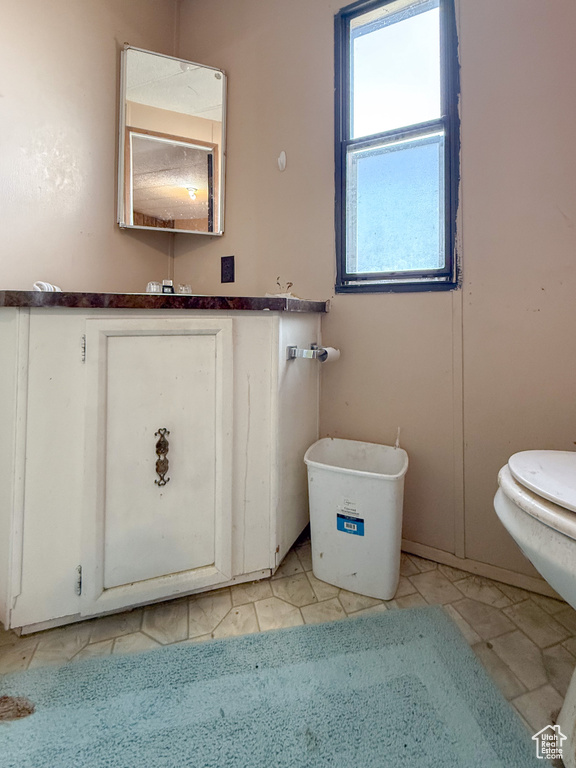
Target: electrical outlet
227, 269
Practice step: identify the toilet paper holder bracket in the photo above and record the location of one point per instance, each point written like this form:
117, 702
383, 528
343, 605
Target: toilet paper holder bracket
314, 353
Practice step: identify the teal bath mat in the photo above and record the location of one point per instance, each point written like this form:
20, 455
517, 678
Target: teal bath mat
400, 689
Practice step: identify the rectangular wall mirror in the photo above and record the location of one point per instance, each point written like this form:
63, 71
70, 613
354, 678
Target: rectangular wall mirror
172, 132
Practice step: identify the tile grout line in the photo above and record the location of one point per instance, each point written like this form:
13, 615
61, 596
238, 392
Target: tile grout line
32, 655
256, 614
538, 648
543, 647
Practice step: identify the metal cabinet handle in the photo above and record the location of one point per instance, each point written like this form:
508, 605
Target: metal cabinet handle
162, 448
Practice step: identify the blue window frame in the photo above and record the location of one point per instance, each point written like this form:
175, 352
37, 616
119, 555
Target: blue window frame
397, 146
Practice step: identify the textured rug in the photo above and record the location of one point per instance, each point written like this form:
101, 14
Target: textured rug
397, 689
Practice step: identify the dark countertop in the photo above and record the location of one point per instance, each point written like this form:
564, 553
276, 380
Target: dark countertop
155, 301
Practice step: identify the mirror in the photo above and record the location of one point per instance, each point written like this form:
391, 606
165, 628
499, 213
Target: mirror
172, 131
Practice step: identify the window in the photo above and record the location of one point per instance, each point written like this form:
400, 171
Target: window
396, 146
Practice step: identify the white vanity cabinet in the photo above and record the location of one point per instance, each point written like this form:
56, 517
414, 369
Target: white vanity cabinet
94, 403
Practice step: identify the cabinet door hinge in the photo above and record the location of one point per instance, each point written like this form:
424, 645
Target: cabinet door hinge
79, 580
83, 348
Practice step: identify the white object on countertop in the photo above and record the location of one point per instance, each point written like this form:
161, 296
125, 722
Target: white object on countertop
40, 285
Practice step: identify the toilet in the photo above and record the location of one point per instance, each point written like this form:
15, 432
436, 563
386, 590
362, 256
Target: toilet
536, 503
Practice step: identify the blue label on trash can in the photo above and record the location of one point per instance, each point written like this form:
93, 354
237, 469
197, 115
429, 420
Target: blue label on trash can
347, 524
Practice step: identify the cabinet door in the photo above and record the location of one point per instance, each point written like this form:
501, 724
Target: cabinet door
158, 473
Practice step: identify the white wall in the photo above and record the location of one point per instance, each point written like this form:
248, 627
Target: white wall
473, 375
59, 79
519, 228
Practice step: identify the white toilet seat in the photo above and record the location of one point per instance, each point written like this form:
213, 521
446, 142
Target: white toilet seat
549, 474
542, 484
547, 512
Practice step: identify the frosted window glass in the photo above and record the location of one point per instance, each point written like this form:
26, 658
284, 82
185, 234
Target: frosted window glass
395, 73
395, 206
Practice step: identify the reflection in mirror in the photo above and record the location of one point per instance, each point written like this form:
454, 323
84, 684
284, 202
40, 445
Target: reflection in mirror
170, 182
172, 144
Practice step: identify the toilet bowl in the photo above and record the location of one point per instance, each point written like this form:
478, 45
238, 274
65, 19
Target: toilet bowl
536, 503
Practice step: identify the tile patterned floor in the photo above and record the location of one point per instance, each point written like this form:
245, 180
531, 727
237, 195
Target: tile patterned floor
526, 642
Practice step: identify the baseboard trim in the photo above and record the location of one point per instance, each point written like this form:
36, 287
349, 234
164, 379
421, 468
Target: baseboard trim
531, 583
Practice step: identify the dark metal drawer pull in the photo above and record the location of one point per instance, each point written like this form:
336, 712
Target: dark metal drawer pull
162, 448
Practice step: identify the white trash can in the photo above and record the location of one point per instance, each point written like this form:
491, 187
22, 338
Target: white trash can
356, 492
